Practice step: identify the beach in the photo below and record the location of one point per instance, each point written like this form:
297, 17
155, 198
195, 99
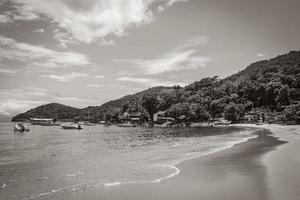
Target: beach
266, 167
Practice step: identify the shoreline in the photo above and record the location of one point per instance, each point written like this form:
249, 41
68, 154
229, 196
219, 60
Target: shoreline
249, 170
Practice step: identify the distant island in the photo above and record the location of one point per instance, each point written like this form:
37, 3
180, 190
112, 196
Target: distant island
267, 90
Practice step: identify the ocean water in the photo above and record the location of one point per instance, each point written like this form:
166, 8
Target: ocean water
48, 161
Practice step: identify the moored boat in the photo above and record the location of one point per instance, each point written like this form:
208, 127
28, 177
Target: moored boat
71, 126
194, 125
87, 124
43, 121
126, 124
21, 127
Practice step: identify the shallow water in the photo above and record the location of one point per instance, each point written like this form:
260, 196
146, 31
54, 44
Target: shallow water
48, 161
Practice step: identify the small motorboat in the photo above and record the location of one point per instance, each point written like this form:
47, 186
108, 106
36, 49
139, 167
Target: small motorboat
86, 123
21, 127
222, 122
71, 126
197, 125
126, 124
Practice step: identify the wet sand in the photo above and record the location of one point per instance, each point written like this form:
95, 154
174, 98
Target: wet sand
263, 168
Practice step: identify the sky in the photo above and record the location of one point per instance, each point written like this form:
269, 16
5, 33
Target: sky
87, 52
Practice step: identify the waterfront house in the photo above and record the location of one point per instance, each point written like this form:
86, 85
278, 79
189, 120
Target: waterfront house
136, 117
41, 121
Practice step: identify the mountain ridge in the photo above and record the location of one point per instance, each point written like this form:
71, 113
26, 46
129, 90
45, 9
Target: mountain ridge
261, 84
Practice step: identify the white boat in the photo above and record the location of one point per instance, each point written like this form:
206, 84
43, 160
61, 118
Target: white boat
222, 122
164, 125
71, 126
126, 124
21, 127
87, 124
201, 125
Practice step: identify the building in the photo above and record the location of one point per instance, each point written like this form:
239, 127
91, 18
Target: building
41, 121
159, 118
249, 118
136, 117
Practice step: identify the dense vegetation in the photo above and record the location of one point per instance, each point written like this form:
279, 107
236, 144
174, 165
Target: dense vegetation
107, 111
271, 86
52, 110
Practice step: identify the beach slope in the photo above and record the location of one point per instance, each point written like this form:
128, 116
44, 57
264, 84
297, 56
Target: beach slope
266, 167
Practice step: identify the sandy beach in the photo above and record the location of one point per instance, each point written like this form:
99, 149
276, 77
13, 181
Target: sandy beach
266, 167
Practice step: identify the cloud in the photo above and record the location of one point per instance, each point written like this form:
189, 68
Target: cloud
89, 20
40, 30
13, 106
193, 42
37, 55
8, 71
260, 55
4, 19
150, 82
160, 8
99, 76
14, 101
171, 2
66, 77
93, 85
182, 57
169, 62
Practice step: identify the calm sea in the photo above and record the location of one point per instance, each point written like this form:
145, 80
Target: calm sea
48, 161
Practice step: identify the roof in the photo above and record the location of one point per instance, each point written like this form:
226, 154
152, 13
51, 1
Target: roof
135, 114
135, 118
41, 119
161, 112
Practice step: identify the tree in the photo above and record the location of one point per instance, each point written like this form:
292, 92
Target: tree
292, 112
217, 107
202, 114
284, 95
150, 103
234, 112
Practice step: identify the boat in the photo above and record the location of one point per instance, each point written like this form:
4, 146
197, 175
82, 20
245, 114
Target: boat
87, 124
194, 125
43, 121
126, 124
221, 122
21, 127
71, 126
164, 125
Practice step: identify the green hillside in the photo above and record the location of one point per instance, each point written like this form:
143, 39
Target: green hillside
270, 85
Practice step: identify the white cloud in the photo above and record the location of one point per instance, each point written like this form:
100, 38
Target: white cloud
41, 56
181, 58
90, 20
171, 2
66, 77
14, 101
4, 19
13, 106
160, 8
169, 62
150, 82
260, 55
8, 71
71, 100
94, 85
99, 76
40, 30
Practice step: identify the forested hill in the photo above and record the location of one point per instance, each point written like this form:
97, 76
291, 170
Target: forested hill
51, 110
270, 85
93, 113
